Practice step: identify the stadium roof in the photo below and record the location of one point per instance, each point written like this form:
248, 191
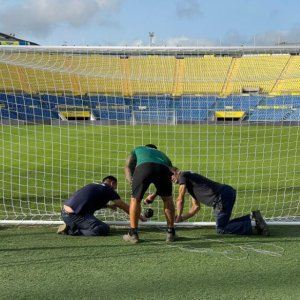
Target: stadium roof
8, 39
180, 52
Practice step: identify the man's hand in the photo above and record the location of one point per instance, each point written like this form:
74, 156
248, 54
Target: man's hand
111, 206
178, 219
143, 218
149, 199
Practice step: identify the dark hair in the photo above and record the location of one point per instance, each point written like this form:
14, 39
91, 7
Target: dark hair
151, 146
110, 177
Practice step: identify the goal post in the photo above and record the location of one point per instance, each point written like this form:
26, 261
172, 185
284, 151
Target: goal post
152, 117
70, 116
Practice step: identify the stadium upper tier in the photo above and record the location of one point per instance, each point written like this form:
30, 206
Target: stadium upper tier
150, 73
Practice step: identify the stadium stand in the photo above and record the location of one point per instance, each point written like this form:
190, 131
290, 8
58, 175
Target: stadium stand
259, 72
294, 115
115, 115
205, 75
269, 114
187, 109
28, 113
20, 99
10, 39
153, 117
281, 100
152, 103
9, 114
110, 108
289, 81
193, 115
237, 102
152, 74
195, 102
112, 87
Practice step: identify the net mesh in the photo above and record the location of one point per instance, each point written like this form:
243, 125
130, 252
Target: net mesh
71, 116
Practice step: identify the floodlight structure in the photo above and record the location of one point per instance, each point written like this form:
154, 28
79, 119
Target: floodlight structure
151, 38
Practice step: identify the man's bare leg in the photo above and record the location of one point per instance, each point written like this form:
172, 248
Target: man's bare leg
169, 210
134, 212
134, 215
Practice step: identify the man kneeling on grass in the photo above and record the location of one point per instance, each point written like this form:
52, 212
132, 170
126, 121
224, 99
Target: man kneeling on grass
78, 211
220, 197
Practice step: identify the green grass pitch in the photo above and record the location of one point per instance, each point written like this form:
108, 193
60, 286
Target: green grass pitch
43, 165
36, 263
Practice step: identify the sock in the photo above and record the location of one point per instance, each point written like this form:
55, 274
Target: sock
133, 231
171, 230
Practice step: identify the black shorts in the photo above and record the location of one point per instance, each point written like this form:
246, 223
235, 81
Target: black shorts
148, 173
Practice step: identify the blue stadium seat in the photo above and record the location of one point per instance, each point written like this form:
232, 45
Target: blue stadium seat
152, 103
34, 113
294, 115
55, 101
269, 114
8, 114
3, 104
243, 103
193, 115
196, 102
20, 99
113, 108
281, 100
188, 108
107, 101
112, 114
3, 97
153, 117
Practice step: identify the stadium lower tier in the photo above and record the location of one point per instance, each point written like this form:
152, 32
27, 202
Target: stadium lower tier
149, 109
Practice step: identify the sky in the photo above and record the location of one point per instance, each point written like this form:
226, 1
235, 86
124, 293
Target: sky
173, 22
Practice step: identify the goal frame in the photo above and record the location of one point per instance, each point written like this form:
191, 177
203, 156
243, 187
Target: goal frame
119, 50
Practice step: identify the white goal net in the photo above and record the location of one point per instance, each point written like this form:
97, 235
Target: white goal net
71, 115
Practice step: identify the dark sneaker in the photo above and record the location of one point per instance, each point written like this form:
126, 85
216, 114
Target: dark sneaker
134, 239
261, 225
171, 237
63, 229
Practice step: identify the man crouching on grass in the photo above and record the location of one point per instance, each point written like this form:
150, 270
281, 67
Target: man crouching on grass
78, 211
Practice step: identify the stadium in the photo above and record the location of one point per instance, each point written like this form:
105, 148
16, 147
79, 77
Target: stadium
70, 115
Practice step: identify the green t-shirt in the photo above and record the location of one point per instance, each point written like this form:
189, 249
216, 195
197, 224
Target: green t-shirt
144, 154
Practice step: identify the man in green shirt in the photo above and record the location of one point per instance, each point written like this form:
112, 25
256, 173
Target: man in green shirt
146, 165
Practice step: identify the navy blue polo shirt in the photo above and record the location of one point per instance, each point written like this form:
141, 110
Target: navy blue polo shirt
91, 197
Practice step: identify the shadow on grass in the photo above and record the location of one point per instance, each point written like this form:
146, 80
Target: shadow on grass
74, 253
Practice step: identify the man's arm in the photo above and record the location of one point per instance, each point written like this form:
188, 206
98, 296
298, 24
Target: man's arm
129, 168
180, 202
122, 205
193, 210
125, 207
150, 198
180, 205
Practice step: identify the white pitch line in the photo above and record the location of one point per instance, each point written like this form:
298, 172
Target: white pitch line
239, 252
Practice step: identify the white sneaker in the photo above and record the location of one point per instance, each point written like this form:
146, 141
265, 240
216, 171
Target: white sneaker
134, 239
63, 229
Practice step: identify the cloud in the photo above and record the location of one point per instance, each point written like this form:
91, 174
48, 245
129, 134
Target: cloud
188, 8
291, 36
188, 42
40, 17
267, 38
